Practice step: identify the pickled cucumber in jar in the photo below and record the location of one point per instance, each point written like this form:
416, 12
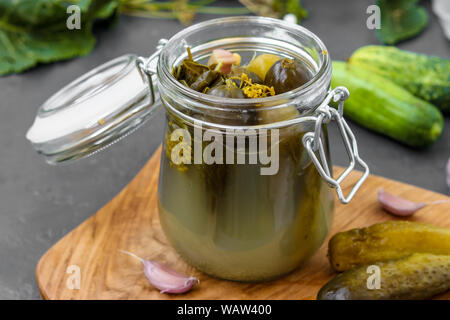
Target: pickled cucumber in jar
265, 75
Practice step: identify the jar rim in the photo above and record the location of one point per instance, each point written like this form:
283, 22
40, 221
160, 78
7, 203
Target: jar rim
212, 101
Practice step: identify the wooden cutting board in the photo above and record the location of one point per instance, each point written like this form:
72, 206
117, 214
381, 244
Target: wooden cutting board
130, 222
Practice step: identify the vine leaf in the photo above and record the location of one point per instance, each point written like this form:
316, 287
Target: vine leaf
35, 31
400, 20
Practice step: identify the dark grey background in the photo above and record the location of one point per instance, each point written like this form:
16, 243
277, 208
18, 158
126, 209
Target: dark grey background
40, 203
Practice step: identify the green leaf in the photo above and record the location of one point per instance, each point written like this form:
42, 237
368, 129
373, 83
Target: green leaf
295, 7
108, 9
400, 20
35, 31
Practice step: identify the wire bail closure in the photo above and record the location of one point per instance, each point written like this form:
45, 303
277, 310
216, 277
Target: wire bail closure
313, 143
147, 68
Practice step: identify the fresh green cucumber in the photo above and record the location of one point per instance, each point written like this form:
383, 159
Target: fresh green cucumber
380, 105
426, 77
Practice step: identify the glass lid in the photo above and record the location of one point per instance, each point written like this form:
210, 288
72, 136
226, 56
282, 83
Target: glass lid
93, 111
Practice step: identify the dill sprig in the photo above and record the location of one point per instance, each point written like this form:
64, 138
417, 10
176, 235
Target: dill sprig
276, 8
182, 10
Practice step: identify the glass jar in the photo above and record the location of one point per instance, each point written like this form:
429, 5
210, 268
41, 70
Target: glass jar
261, 204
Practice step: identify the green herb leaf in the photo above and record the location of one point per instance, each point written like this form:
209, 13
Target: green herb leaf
400, 20
107, 9
35, 31
292, 6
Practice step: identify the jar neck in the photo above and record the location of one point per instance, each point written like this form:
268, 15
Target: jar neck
244, 34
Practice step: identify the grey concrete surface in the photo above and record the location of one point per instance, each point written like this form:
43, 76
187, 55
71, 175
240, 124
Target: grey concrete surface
39, 203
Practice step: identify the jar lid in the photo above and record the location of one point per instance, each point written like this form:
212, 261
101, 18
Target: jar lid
93, 111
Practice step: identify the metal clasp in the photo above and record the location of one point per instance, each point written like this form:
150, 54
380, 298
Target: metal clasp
147, 68
313, 142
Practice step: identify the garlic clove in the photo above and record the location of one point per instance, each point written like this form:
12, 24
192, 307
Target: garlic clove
163, 277
224, 60
167, 280
398, 206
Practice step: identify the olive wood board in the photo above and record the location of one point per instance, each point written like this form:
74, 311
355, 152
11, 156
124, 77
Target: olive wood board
130, 222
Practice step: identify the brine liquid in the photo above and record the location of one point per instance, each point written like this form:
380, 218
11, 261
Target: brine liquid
231, 222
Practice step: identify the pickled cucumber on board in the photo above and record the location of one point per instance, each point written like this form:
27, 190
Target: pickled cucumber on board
418, 276
386, 241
